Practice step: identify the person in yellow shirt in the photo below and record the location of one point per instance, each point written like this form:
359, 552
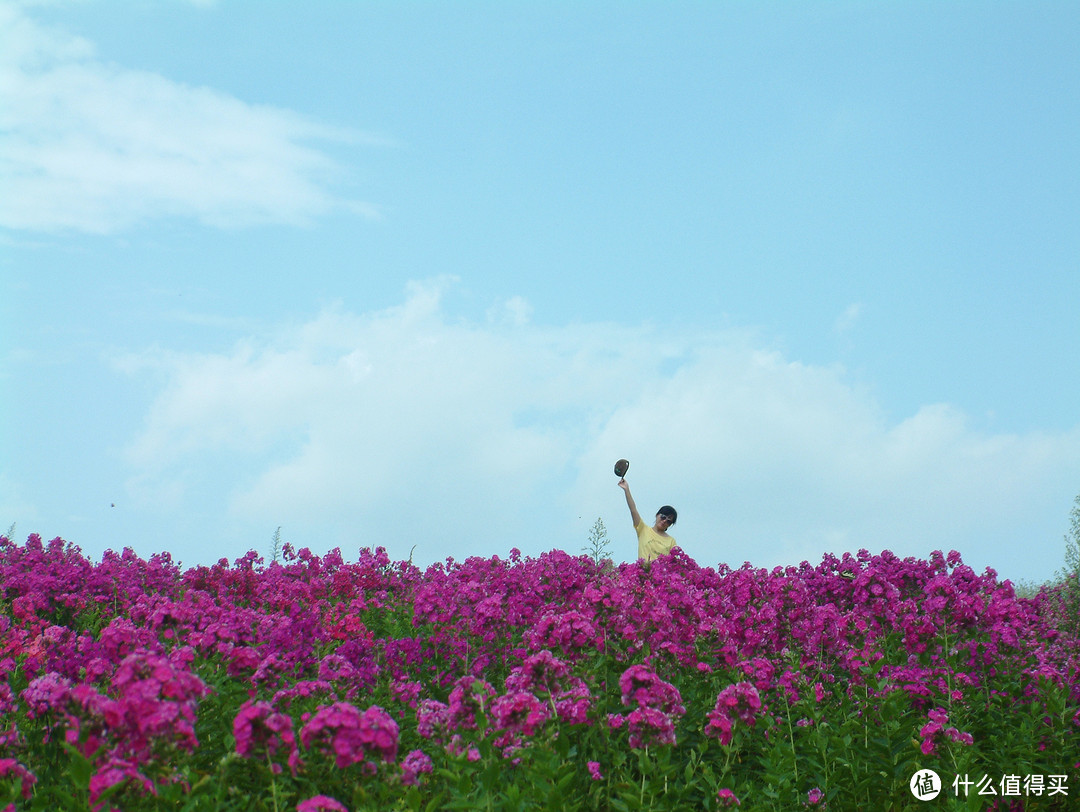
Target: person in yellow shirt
654, 541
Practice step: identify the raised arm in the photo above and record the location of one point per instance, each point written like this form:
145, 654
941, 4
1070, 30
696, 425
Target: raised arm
630, 501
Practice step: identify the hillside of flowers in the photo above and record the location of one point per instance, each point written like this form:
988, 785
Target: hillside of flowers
548, 683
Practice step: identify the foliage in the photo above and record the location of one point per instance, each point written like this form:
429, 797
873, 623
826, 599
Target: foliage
597, 547
1067, 589
549, 683
275, 545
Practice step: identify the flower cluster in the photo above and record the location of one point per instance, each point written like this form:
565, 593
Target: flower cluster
415, 764
469, 699
550, 678
573, 633
262, 732
658, 705
116, 665
938, 718
352, 736
739, 702
10, 769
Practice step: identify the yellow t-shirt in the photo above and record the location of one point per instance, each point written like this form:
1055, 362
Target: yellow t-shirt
650, 544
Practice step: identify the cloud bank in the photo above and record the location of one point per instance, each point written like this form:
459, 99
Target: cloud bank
409, 428
90, 146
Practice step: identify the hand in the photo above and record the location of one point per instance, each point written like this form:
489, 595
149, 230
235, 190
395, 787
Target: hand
622, 483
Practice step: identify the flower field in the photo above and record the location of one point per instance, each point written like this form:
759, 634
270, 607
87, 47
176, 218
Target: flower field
549, 683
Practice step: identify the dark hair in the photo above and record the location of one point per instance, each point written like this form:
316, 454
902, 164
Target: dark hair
669, 511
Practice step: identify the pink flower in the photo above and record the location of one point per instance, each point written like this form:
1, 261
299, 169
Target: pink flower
520, 712
46, 693
573, 705
739, 701
594, 770
351, 736
571, 631
958, 736
10, 767
432, 719
261, 731
321, 803
642, 687
727, 798
814, 796
117, 771
469, 697
413, 766
650, 726
457, 747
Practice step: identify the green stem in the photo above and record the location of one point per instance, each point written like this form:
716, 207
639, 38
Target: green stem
641, 799
791, 738
273, 783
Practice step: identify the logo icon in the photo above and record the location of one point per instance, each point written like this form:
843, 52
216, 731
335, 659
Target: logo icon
925, 785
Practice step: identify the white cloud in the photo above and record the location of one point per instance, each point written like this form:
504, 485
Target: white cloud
404, 427
92, 146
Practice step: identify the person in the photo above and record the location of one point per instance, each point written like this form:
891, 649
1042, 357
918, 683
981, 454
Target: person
654, 541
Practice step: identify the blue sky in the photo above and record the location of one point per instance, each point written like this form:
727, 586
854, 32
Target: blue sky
416, 274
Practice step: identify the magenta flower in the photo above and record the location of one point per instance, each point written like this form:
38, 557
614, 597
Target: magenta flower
572, 632
321, 803
958, 736
642, 687
10, 768
469, 697
726, 797
741, 702
573, 705
649, 726
432, 719
117, 771
260, 731
47, 693
814, 796
594, 770
415, 764
519, 712
938, 718
540, 672
350, 736
457, 747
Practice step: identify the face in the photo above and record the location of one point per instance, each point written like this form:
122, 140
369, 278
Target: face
663, 522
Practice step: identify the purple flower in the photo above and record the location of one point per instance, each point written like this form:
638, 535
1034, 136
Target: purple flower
519, 712
49, 692
350, 736
432, 719
649, 726
469, 697
413, 766
260, 731
540, 672
642, 687
740, 701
